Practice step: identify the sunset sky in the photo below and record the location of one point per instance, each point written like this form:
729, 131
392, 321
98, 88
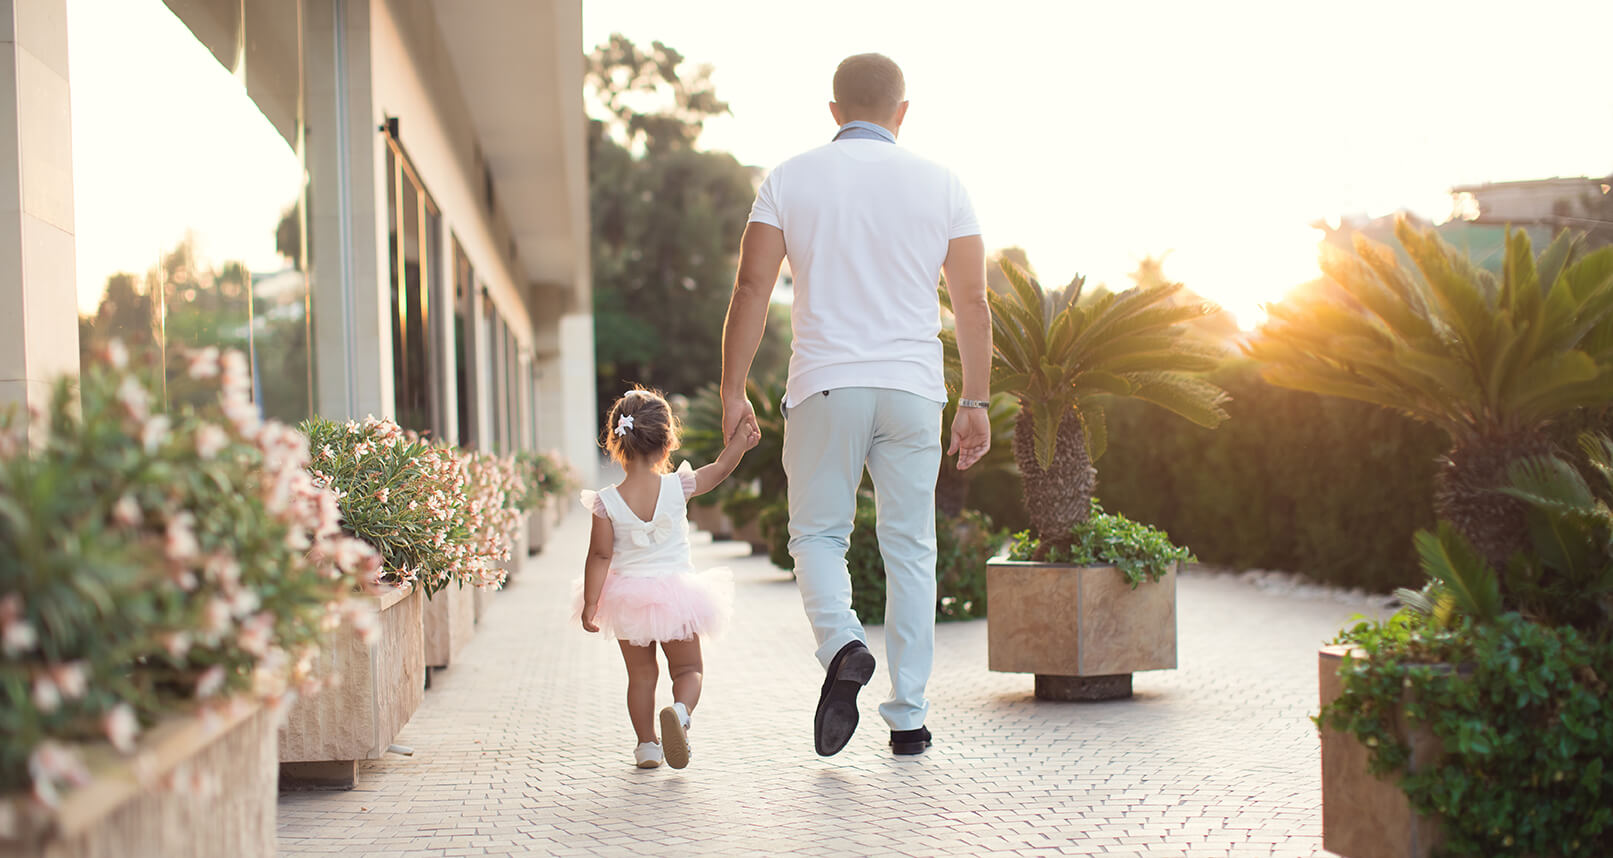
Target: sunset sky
1094, 134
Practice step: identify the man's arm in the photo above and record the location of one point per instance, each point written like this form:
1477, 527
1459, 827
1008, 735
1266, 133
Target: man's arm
761, 252
965, 269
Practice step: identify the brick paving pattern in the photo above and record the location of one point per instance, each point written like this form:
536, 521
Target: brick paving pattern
523, 747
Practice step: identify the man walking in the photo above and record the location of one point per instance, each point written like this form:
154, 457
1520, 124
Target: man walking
868, 228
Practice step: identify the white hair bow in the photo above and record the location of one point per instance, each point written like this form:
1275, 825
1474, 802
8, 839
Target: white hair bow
623, 424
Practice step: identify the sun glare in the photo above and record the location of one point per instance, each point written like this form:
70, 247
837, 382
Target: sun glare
1243, 278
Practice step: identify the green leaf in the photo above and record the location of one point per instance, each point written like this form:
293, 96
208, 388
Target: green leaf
1451, 560
1097, 431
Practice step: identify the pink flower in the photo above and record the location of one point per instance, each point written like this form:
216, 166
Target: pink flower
204, 363
17, 635
121, 727
382, 494
256, 633
180, 544
216, 617
244, 602
210, 440
222, 568
176, 643
126, 512
210, 682
71, 678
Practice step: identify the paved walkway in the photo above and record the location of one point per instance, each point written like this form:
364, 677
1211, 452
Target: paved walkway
523, 747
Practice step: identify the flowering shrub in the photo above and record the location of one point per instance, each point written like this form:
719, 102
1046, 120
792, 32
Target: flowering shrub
545, 475
409, 499
495, 492
152, 562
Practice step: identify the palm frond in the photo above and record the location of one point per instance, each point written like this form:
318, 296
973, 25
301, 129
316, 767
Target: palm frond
1450, 559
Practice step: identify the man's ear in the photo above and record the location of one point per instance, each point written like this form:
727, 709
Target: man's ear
834, 110
901, 113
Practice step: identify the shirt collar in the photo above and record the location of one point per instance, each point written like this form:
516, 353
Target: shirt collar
860, 130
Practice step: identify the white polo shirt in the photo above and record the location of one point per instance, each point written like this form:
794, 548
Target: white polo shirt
866, 225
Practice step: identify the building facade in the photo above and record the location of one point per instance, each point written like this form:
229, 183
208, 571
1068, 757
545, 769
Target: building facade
382, 202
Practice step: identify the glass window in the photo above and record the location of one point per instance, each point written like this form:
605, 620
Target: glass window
464, 367
412, 250
189, 188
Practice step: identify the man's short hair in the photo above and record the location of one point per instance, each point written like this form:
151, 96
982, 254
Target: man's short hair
869, 85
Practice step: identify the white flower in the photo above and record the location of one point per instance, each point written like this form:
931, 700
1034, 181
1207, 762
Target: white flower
53, 763
222, 568
126, 512
134, 398
244, 602
210, 440
153, 432
115, 354
216, 616
47, 697
121, 727
19, 637
210, 682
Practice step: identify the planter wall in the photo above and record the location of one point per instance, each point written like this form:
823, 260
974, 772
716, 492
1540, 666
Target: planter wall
450, 623
751, 532
325, 736
537, 529
117, 815
1363, 815
1081, 629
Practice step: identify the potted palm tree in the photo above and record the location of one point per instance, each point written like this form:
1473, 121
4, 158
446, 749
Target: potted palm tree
1084, 601
1491, 360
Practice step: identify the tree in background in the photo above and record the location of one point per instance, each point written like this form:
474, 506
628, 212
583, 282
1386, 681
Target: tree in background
666, 224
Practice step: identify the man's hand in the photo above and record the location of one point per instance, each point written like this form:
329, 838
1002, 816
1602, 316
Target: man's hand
746, 436
737, 413
971, 436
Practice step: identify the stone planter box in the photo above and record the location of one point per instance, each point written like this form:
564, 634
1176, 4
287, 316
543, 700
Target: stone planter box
1363, 815
537, 529
118, 815
711, 519
450, 623
325, 736
751, 532
1081, 629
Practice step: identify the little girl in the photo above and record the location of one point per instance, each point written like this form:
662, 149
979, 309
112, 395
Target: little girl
639, 584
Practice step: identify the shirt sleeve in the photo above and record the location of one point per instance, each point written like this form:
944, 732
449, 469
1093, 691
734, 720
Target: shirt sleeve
687, 477
592, 502
963, 222
766, 208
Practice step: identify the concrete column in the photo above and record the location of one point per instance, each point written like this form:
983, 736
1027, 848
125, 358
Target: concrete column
577, 395
346, 158
38, 289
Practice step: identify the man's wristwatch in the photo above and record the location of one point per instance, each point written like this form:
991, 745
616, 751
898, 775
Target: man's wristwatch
973, 403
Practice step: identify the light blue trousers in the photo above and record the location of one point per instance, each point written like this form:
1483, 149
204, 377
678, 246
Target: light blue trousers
828, 439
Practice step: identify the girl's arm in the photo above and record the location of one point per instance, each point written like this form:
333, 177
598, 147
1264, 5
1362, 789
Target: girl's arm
601, 547
711, 476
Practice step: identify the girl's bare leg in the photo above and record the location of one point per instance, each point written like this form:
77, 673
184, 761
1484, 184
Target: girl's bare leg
684, 665
642, 673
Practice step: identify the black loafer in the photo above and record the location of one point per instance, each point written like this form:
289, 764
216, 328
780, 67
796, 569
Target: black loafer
908, 742
836, 718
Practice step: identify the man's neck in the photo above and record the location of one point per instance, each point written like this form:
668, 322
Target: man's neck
861, 129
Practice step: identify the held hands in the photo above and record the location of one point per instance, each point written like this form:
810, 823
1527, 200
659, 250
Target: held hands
745, 436
971, 436
588, 611
737, 413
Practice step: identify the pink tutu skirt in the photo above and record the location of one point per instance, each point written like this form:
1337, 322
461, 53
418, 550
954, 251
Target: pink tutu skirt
674, 607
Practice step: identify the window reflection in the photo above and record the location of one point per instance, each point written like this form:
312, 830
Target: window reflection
414, 228
189, 187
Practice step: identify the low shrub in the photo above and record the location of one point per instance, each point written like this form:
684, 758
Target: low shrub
157, 562
1140, 552
963, 545
1527, 763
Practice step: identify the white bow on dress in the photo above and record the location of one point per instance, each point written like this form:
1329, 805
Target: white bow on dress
654, 532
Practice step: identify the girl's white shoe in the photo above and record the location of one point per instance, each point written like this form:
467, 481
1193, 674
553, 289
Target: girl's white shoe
648, 755
675, 735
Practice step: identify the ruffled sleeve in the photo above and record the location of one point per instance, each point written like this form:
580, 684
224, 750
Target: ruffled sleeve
592, 502
687, 478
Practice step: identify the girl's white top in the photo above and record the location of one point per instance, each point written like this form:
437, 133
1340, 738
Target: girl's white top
648, 549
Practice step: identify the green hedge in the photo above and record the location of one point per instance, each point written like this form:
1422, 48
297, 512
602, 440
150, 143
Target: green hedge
1294, 481
963, 546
